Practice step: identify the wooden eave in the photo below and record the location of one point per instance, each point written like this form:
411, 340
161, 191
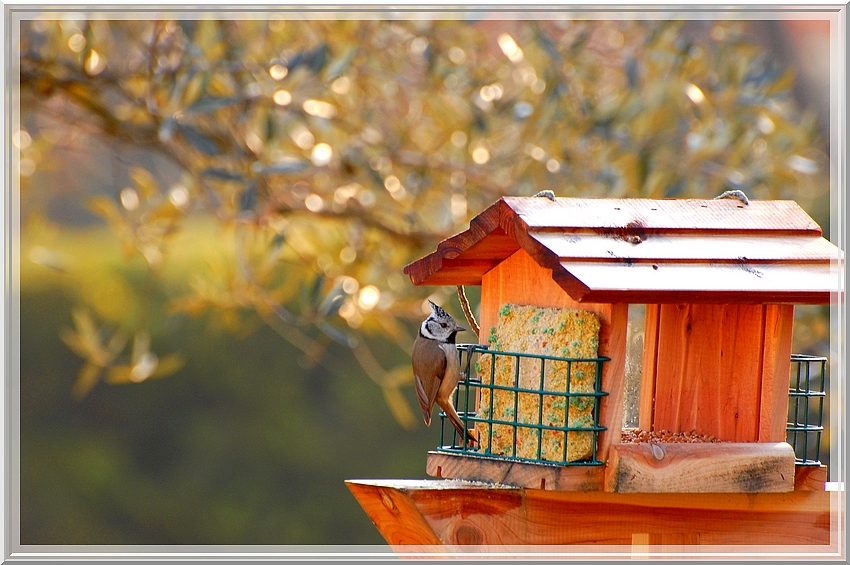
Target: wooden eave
649, 251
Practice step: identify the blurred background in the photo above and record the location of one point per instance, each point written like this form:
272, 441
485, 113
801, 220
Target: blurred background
215, 326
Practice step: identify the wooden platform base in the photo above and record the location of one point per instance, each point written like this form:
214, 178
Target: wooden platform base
440, 513
513, 473
700, 467
639, 467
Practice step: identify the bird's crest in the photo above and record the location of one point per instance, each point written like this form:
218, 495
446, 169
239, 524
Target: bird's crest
437, 311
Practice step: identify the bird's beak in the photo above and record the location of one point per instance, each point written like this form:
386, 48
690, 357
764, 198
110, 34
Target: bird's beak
460, 329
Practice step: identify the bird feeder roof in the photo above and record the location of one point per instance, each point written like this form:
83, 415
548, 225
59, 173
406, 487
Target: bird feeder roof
649, 251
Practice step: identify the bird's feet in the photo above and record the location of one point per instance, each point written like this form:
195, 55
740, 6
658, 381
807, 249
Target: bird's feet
471, 439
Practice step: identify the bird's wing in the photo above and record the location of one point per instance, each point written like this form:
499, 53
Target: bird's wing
429, 366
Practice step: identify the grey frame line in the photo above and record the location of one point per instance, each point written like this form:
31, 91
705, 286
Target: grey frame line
837, 16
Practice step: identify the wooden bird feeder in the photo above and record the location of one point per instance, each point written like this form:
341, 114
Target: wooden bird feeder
719, 279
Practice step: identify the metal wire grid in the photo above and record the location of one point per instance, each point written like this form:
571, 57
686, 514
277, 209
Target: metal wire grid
468, 395
805, 407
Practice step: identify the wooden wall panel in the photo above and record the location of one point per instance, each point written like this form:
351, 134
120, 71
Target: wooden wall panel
719, 369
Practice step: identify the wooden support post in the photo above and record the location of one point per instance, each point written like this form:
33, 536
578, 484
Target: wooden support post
776, 371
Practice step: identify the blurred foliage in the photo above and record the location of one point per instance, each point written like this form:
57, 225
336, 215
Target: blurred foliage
264, 174
337, 151
239, 449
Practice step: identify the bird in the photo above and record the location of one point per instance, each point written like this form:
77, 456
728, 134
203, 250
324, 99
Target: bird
545, 194
436, 367
734, 194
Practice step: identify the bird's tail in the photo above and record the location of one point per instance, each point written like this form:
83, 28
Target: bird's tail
471, 436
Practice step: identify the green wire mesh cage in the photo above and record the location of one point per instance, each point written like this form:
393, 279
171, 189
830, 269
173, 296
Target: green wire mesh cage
805, 407
534, 418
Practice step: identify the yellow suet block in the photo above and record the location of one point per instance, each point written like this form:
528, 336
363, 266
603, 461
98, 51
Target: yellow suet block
543, 331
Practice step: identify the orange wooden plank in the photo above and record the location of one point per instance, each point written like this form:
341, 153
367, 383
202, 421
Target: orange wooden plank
738, 381
706, 247
658, 543
521, 280
514, 473
768, 395
701, 467
776, 371
497, 245
463, 513
453, 278
669, 214
669, 283
613, 379
671, 370
706, 331
810, 477
486, 223
708, 370
394, 514
649, 370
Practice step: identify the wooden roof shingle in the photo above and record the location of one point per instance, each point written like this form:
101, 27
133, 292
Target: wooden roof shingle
649, 251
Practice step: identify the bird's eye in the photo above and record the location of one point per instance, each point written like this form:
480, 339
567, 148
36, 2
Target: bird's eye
443, 325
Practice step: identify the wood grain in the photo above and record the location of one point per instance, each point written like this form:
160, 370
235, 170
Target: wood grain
394, 514
810, 477
776, 371
649, 367
686, 282
716, 247
461, 513
670, 215
668, 543
701, 467
514, 473
718, 369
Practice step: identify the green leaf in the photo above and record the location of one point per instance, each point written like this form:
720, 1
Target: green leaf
286, 166
144, 181
222, 174
168, 365
314, 59
338, 336
211, 103
399, 407
166, 129
106, 208
338, 65
86, 379
248, 198
200, 141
